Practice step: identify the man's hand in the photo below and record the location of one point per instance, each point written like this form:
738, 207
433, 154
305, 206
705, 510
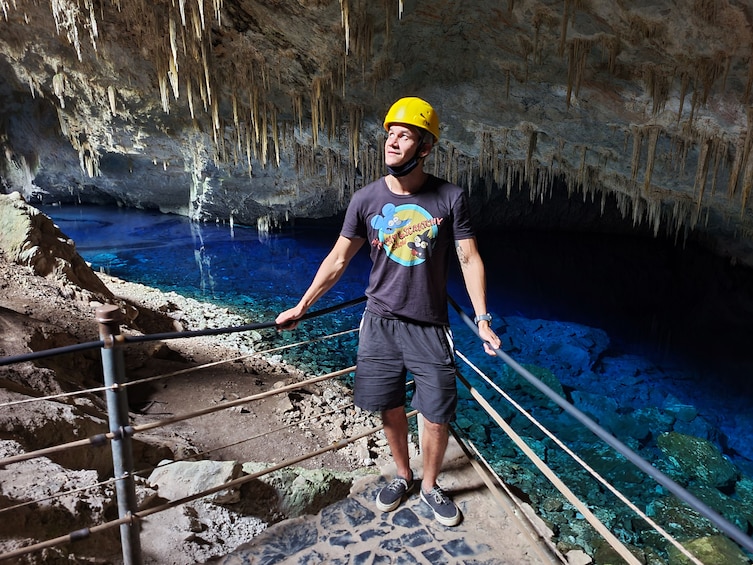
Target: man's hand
288, 320
491, 341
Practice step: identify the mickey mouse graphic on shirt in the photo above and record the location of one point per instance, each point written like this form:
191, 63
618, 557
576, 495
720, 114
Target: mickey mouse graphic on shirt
406, 233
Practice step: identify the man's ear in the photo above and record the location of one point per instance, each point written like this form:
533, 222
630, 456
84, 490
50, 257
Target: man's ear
425, 150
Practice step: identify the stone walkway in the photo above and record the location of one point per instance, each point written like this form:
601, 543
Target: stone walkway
353, 531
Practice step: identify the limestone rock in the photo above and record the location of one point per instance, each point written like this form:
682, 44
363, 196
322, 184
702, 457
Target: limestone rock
302, 491
30, 238
592, 115
178, 479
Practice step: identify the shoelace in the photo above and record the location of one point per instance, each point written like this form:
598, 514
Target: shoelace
438, 495
397, 484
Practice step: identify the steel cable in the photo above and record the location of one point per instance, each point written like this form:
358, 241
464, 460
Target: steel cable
169, 335
724, 525
611, 488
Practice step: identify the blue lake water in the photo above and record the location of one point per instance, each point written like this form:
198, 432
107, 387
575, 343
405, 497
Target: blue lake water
679, 309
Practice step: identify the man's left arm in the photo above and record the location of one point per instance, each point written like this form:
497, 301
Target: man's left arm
474, 275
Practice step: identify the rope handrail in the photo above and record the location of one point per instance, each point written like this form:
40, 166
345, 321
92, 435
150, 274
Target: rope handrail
101, 439
173, 373
553, 478
193, 456
611, 488
140, 514
112, 360
510, 504
724, 525
12, 359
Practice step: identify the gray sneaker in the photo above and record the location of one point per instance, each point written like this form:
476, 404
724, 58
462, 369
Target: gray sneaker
392, 495
444, 509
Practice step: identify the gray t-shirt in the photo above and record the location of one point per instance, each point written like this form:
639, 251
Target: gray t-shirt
411, 238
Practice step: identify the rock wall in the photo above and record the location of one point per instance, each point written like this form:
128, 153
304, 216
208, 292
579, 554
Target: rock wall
30, 238
263, 111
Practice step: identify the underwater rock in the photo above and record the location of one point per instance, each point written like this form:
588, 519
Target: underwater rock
733, 510
710, 550
744, 493
694, 459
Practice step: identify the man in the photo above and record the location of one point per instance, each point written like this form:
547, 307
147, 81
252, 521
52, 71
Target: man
411, 220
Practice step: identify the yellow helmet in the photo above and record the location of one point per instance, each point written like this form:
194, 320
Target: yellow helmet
415, 112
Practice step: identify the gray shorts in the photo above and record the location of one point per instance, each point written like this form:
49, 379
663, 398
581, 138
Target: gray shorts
389, 349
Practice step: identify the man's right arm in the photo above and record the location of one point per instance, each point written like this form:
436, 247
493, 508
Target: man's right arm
329, 272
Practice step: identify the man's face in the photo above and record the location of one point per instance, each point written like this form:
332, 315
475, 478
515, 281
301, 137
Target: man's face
401, 144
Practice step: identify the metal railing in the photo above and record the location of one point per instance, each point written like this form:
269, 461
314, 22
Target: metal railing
111, 343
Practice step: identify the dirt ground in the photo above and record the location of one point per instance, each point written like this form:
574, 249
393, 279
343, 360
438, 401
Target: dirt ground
262, 430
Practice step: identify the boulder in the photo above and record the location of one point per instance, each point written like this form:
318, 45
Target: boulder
710, 550
697, 460
179, 479
30, 238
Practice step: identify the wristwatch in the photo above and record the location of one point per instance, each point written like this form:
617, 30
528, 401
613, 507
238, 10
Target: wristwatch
487, 317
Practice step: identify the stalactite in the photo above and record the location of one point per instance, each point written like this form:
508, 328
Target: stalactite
749, 82
563, 31
720, 155
63, 122
742, 155
234, 102
205, 64
163, 93
400, 8
611, 44
59, 85
275, 135
582, 167
702, 170
653, 138
189, 95
111, 98
172, 74
248, 151
200, 3
316, 104
635, 160
578, 51
264, 138
747, 186
182, 10
532, 139
658, 84
344, 16
355, 122
684, 83
197, 20
298, 110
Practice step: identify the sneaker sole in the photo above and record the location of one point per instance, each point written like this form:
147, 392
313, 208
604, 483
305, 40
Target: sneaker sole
390, 507
444, 520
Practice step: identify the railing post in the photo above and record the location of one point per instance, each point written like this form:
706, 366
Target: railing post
109, 318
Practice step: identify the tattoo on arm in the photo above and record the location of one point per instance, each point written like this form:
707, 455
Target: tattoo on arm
461, 255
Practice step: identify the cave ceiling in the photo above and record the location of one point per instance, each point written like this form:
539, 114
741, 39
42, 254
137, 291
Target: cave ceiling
261, 111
